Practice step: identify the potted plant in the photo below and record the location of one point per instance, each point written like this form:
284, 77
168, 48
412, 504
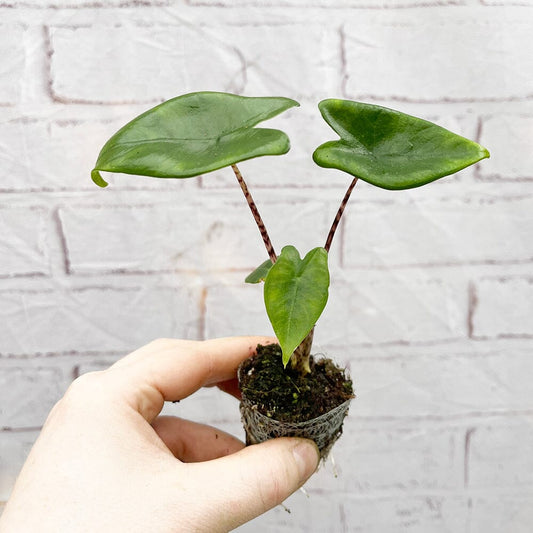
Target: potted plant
285, 390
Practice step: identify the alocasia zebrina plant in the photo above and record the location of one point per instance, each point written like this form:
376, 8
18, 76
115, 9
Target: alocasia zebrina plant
200, 132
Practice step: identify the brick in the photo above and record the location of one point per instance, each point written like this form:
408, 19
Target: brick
304, 515
403, 308
48, 156
500, 454
311, 69
493, 513
503, 308
106, 73
22, 242
439, 232
191, 236
446, 386
507, 2
406, 55
13, 61
14, 448
72, 150
96, 318
507, 136
25, 141
416, 514
73, 4
28, 394
137, 238
236, 310
381, 459
327, 3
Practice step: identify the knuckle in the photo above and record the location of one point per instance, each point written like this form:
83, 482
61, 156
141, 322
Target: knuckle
80, 395
161, 343
85, 381
87, 387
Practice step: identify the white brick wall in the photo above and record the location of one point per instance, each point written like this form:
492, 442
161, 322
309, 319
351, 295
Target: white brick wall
515, 161
512, 297
22, 246
106, 55
11, 71
460, 59
35, 321
431, 302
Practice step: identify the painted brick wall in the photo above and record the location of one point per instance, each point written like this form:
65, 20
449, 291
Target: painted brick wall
431, 303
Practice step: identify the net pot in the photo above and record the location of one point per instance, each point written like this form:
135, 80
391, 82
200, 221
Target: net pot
324, 429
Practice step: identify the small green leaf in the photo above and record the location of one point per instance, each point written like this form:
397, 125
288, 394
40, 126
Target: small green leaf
260, 273
296, 292
194, 134
97, 178
391, 149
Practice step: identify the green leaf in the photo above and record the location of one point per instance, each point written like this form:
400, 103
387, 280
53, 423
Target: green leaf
296, 292
391, 149
193, 134
260, 273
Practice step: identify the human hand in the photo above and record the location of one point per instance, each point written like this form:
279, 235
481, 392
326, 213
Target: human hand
105, 461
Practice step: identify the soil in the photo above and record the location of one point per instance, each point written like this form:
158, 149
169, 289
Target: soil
283, 394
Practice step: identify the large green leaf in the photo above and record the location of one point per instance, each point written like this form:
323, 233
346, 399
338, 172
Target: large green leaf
193, 134
391, 149
296, 292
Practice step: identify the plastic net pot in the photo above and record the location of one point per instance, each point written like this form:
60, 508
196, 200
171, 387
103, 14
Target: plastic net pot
324, 429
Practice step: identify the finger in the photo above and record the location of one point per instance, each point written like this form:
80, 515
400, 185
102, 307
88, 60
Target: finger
147, 351
231, 387
256, 479
171, 369
191, 442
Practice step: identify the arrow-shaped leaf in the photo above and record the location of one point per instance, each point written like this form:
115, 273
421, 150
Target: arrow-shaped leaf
194, 134
296, 292
391, 149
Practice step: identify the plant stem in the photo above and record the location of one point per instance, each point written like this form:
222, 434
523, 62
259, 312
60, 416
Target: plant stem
338, 216
255, 212
300, 357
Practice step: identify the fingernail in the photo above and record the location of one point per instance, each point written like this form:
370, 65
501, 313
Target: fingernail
306, 456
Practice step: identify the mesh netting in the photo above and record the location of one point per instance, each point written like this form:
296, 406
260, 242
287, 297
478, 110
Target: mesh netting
324, 429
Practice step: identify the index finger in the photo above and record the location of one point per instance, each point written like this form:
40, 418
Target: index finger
172, 369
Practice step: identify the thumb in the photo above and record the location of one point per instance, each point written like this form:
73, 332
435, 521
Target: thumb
244, 485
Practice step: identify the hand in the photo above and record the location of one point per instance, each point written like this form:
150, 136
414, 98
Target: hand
106, 462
